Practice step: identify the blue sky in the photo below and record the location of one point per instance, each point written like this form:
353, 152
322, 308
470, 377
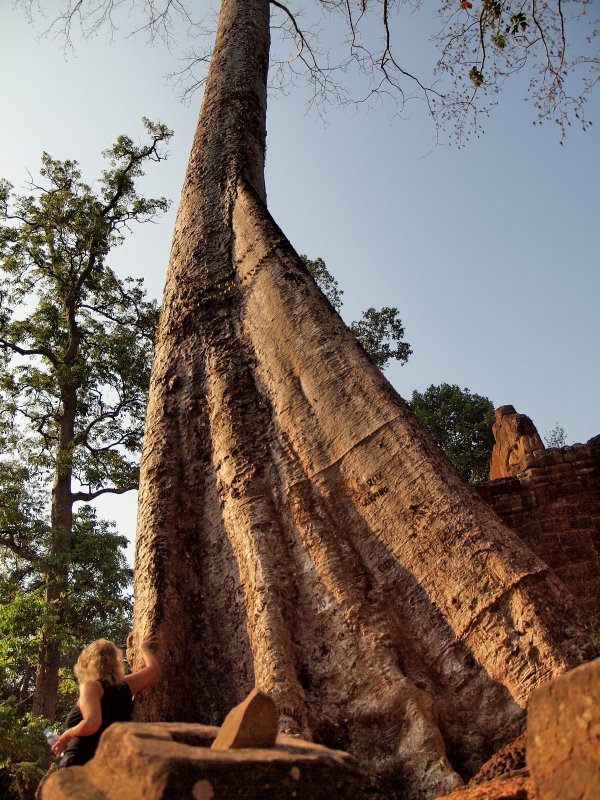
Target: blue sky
490, 252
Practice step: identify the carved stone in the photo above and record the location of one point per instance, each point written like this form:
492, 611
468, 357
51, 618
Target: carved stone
513, 787
562, 746
554, 506
174, 761
516, 440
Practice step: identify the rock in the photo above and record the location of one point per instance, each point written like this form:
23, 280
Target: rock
252, 723
507, 760
516, 439
512, 787
174, 761
563, 736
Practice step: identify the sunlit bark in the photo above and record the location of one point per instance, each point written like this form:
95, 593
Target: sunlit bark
298, 529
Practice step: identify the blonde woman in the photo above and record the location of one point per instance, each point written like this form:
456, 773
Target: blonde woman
105, 696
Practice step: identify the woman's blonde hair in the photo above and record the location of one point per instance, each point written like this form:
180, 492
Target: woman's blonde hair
100, 661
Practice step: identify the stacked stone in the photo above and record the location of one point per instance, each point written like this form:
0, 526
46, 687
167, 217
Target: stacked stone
551, 498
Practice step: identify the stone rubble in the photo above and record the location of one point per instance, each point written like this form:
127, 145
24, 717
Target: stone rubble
252, 723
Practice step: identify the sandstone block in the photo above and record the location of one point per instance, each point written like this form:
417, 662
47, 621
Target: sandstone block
507, 760
174, 761
515, 787
563, 736
252, 723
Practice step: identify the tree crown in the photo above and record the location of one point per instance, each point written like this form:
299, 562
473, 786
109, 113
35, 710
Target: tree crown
76, 340
461, 423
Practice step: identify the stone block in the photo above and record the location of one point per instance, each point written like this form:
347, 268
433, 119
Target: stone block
507, 760
252, 723
173, 761
563, 736
515, 787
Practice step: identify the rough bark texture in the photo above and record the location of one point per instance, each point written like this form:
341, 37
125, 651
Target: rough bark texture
45, 696
298, 529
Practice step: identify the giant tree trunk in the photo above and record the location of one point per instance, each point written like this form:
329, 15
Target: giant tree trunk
298, 529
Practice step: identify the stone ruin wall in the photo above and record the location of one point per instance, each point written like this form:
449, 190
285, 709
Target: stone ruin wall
552, 500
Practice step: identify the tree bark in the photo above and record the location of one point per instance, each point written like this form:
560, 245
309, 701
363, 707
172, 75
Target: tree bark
45, 696
298, 529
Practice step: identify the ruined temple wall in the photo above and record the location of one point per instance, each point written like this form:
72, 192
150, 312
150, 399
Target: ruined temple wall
554, 505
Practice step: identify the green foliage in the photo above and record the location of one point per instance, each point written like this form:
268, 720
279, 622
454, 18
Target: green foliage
476, 76
96, 603
556, 436
380, 332
325, 281
461, 424
71, 331
76, 343
23, 750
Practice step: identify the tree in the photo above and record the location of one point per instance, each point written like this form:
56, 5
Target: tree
324, 280
556, 436
377, 332
298, 529
461, 424
96, 603
380, 332
76, 345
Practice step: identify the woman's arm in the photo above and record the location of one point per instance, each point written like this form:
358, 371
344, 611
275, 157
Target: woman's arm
90, 694
149, 672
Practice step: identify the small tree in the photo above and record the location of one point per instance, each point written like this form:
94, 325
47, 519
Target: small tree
380, 332
556, 436
461, 424
325, 281
76, 344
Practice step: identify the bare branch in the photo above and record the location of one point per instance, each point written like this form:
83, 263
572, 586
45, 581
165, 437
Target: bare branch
23, 351
86, 497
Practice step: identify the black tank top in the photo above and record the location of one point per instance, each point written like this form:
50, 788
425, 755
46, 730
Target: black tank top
116, 707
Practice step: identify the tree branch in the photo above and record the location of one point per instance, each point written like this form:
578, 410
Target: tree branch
7, 539
42, 351
86, 497
81, 438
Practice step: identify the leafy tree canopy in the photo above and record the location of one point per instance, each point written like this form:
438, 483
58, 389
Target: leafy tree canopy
69, 328
380, 332
461, 423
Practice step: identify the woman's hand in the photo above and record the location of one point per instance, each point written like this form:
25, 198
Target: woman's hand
60, 745
149, 672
